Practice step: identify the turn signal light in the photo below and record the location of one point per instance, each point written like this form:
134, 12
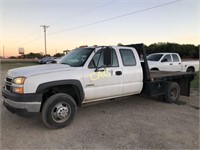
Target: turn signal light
19, 90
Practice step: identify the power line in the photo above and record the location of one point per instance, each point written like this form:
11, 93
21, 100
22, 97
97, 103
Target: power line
35, 39
88, 10
108, 19
27, 35
83, 12
3, 52
120, 16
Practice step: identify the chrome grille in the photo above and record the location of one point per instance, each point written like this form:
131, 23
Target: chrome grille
8, 79
8, 84
8, 88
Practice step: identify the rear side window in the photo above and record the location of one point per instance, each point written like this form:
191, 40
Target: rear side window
128, 57
175, 58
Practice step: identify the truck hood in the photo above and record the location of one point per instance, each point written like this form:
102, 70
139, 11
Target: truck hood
38, 69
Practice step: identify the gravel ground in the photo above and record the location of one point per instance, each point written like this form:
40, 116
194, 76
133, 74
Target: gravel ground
133, 122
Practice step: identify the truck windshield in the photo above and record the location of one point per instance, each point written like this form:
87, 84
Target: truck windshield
154, 57
77, 57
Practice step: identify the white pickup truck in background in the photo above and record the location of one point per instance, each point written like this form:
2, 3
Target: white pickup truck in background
171, 62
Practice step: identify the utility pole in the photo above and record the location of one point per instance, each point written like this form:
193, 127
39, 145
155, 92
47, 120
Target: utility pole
3, 53
45, 46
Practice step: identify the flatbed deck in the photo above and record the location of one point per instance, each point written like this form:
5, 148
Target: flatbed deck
156, 82
162, 74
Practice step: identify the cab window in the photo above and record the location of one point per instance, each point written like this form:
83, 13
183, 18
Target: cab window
167, 58
175, 58
128, 57
97, 60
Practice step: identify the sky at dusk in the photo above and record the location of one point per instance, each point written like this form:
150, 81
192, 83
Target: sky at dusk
177, 22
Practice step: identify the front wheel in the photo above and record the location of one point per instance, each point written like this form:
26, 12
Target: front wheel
172, 92
58, 111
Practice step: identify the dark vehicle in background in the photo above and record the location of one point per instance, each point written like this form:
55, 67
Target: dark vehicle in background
54, 60
59, 58
41, 61
47, 60
51, 60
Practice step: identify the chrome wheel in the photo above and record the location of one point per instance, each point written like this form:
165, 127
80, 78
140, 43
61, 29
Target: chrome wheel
174, 93
61, 112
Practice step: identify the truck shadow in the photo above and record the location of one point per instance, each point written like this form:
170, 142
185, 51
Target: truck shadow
125, 105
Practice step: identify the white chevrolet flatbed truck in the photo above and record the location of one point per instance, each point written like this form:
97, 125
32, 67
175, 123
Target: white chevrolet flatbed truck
86, 75
171, 62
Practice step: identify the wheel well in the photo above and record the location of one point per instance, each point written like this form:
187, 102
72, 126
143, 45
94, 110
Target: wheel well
71, 90
191, 67
154, 69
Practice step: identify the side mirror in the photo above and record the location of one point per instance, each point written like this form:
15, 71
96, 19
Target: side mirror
164, 60
107, 56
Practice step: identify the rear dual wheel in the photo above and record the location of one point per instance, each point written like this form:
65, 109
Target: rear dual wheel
172, 92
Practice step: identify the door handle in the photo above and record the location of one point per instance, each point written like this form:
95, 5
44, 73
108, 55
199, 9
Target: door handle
118, 73
170, 64
98, 70
179, 63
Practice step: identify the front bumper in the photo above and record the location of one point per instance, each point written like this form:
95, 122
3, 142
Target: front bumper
20, 104
21, 112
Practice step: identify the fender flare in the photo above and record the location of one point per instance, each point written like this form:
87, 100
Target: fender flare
75, 83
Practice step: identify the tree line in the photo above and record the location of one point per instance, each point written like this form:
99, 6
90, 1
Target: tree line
32, 55
184, 50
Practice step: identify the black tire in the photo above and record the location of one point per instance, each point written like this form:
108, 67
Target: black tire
190, 69
172, 92
58, 111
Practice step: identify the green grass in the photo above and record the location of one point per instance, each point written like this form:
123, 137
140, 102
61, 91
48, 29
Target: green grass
8, 65
195, 82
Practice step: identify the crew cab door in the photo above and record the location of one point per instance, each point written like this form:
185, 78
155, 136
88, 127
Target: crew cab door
132, 71
166, 63
103, 82
176, 63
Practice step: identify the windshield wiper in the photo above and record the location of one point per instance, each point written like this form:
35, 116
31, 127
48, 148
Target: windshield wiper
65, 64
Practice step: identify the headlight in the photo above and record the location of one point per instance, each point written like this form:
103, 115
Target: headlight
19, 80
17, 86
